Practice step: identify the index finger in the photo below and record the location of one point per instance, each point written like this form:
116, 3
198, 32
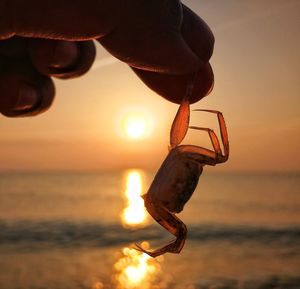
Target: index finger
151, 37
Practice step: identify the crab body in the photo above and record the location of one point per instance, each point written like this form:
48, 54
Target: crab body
175, 181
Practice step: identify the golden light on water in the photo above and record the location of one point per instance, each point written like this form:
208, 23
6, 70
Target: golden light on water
98, 285
136, 269
134, 213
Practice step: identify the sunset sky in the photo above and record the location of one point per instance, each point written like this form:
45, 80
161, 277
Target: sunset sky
256, 65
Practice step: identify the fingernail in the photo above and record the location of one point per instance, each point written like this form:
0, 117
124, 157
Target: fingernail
28, 97
65, 55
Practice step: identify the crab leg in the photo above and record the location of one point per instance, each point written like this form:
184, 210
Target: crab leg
213, 138
223, 131
180, 124
171, 223
181, 121
200, 154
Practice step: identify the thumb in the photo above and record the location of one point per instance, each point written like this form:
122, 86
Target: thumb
56, 19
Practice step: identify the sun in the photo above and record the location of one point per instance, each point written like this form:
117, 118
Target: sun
135, 124
135, 127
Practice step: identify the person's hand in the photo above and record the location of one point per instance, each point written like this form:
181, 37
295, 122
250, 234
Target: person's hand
162, 40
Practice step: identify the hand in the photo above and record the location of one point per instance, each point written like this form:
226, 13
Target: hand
162, 40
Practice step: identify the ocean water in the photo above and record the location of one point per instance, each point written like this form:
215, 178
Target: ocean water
64, 230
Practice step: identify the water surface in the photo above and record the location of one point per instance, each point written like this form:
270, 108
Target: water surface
75, 230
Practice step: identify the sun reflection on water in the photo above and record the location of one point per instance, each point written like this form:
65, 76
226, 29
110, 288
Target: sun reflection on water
134, 214
136, 270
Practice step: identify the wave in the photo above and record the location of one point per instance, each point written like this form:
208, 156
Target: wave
68, 234
272, 282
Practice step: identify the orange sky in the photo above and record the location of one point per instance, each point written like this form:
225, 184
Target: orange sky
256, 65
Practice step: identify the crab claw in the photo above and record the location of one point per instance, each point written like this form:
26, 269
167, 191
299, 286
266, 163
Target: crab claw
172, 247
140, 249
154, 253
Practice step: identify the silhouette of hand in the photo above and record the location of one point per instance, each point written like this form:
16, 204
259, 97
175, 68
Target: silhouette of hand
163, 41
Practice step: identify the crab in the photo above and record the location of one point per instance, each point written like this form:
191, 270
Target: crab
178, 176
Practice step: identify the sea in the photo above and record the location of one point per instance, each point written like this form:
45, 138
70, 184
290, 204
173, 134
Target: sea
77, 230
